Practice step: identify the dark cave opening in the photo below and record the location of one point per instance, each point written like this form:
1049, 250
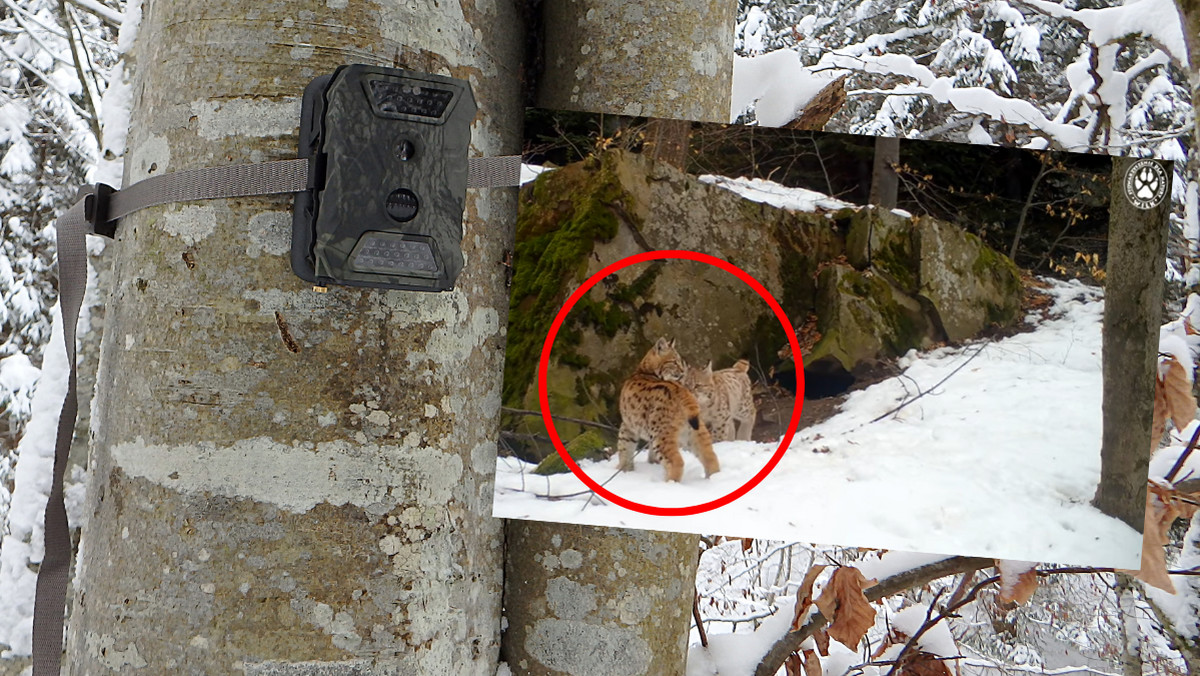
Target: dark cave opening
823, 379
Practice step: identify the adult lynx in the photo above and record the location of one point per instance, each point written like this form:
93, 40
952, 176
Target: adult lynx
725, 399
657, 408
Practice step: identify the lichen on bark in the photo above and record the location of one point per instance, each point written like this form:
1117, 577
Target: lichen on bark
284, 481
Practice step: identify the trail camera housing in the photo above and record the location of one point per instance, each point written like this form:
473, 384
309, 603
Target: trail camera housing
387, 152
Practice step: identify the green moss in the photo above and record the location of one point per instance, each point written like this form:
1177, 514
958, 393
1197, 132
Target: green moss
877, 321
574, 360
895, 258
987, 259
590, 445
605, 316
990, 264
807, 241
631, 292
560, 219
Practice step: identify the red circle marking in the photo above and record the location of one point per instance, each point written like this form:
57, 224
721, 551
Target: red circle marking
544, 364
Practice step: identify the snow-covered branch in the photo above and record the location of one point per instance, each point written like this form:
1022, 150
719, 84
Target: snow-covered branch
103, 12
1155, 20
791, 641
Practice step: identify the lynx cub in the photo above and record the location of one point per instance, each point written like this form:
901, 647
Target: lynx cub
657, 408
724, 397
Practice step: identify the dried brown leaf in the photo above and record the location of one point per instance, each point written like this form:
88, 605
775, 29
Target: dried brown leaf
812, 664
1018, 590
1173, 399
843, 603
804, 596
747, 543
1163, 505
924, 664
794, 665
821, 638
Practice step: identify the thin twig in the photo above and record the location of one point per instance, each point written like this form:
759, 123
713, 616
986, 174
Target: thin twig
567, 496
101, 11
89, 94
935, 385
577, 421
790, 642
962, 588
1182, 459
699, 622
930, 622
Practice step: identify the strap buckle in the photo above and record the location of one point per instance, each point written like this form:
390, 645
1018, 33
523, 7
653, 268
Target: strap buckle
96, 199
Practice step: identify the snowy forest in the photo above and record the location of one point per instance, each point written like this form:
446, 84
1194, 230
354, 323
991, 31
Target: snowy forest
1072, 76
1104, 77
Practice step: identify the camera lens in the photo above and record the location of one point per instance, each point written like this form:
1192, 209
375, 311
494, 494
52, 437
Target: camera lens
405, 150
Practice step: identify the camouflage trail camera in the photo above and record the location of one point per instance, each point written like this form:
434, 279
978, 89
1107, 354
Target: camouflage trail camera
388, 152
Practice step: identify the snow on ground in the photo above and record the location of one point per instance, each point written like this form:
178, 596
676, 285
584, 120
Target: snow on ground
1000, 460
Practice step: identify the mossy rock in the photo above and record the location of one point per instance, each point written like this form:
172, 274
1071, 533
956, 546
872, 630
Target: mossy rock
863, 318
901, 282
590, 445
561, 217
882, 239
970, 285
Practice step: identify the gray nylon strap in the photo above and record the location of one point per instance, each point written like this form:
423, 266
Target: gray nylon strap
269, 178
240, 180
243, 180
493, 172
50, 597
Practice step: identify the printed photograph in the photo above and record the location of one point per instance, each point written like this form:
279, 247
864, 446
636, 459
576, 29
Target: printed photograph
947, 303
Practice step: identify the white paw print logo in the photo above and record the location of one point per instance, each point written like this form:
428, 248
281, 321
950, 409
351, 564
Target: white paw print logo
1145, 184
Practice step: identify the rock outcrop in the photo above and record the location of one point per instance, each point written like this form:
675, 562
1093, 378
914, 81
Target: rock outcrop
880, 283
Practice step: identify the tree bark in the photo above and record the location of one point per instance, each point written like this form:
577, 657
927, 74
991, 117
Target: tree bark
1189, 12
885, 184
262, 511
587, 600
1131, 635
668, 141
817, 112
1132, 314
645, 59
579, 596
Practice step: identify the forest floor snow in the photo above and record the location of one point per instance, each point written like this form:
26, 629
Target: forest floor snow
1000, 460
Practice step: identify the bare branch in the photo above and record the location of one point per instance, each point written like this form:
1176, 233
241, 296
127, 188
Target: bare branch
1179, 462
577, 421
935, 385
103, 12
790, 642
89, 94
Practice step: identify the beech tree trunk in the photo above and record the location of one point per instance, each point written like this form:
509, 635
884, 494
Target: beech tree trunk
589, 600
1133, 294
287, 482
655, 58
